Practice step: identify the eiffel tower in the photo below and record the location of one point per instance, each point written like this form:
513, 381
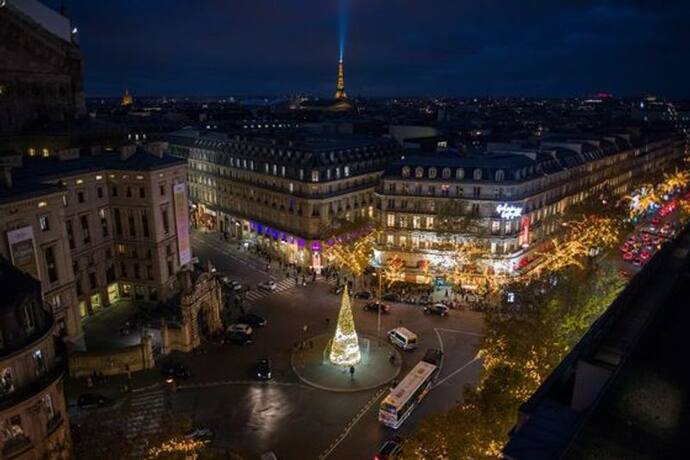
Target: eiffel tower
340, 85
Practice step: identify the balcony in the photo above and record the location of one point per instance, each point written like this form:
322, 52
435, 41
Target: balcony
33, 388
16, 446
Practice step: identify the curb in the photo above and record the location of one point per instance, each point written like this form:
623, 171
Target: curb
345, 390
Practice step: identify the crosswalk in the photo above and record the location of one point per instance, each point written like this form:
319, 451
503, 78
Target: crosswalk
258, 293
144, 416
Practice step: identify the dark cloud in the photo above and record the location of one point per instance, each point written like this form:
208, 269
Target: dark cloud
395, 47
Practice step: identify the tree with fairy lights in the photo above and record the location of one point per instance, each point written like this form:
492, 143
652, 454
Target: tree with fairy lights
345, 345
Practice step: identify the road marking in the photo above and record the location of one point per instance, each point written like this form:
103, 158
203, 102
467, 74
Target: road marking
352, 423
455, 372
458, 331
194, 386
443, 353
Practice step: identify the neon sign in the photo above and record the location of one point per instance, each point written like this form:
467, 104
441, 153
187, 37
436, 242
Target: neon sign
507, 211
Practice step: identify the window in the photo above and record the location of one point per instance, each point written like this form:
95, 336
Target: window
161, 188
6, 381
347, 171
85, 229
51, 264
500, 175
131, 225
416, 222
166, 224
80, 196
93, 284
390, 239
44, 223
446, 173
429, 223
145, 224
118, 222
432, 173
495, 226
137, 273
170, 268
406, 171
39, 363
142, 192
129, 192
114, 190
149, 272
419, 172
477, 174
99, 192
315, 176
460, 173
390, 220
12, 429
48, 406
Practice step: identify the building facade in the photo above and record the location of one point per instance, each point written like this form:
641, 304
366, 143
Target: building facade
509, 200
33, 414
41, 75
290, 195
98, 227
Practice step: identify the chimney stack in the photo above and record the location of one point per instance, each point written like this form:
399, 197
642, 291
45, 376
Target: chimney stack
157, 149
127, 151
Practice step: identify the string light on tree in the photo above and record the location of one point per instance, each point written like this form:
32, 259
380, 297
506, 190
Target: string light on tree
345, 345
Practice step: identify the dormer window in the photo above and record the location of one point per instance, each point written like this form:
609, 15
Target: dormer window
477, 174
406, 171
460, 173
432, 173
446, 173
419, 172
500, 175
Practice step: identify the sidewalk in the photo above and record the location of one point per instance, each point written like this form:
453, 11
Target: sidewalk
112, 387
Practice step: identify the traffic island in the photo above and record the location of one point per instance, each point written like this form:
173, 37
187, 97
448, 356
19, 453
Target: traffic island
312, 364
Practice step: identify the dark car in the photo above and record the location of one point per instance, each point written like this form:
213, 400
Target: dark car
437, 309
239, 338
263, 369
374, 306
391, 297
252, 319
174, 371
390, 449
364, 295
92, 400
433, 356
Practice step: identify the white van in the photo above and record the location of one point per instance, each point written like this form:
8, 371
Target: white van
403, 338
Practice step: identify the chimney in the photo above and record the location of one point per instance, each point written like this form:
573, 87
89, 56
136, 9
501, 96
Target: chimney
127, 151
157, 149
6, 176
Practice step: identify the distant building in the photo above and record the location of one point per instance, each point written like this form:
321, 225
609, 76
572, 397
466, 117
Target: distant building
127, 99
41, 72
33, 414
96, 227
339, 103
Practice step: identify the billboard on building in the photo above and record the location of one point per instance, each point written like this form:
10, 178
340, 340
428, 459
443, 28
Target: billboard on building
182, 222
22, 250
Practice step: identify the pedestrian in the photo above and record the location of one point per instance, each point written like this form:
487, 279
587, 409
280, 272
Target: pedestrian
352, 372
446, 293
129, 372
311, 345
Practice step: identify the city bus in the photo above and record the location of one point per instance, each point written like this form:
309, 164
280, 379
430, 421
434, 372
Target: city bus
398, 405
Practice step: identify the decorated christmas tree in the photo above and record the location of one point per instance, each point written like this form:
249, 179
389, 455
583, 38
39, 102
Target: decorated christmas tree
345, 346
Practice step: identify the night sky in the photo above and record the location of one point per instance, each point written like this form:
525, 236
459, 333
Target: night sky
393, 47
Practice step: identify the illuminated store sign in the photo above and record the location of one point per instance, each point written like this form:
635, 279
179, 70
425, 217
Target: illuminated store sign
507, 211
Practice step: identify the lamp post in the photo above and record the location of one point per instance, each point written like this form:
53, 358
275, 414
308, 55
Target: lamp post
378, 308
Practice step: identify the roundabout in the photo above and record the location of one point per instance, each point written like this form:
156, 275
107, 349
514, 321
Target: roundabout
345, 361
312, 366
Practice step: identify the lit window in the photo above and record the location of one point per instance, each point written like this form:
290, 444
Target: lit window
419, 172
391, 220
315, 176
432, 173
44, 223
42, 204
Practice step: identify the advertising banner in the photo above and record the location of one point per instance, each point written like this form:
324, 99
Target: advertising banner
182, 222
22, 250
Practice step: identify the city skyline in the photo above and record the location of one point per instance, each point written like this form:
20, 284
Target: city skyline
448, 48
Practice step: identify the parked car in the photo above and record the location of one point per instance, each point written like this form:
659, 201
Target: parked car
252, 319
374, 306
87, 400
241, 327
390, 449
433, 356
364, 295
437, 309
263, 369
174, 371
391, 297
232, 284
239, 338
200, 434
268, 285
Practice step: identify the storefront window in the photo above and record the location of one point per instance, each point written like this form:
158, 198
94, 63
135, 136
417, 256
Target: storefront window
6, 381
